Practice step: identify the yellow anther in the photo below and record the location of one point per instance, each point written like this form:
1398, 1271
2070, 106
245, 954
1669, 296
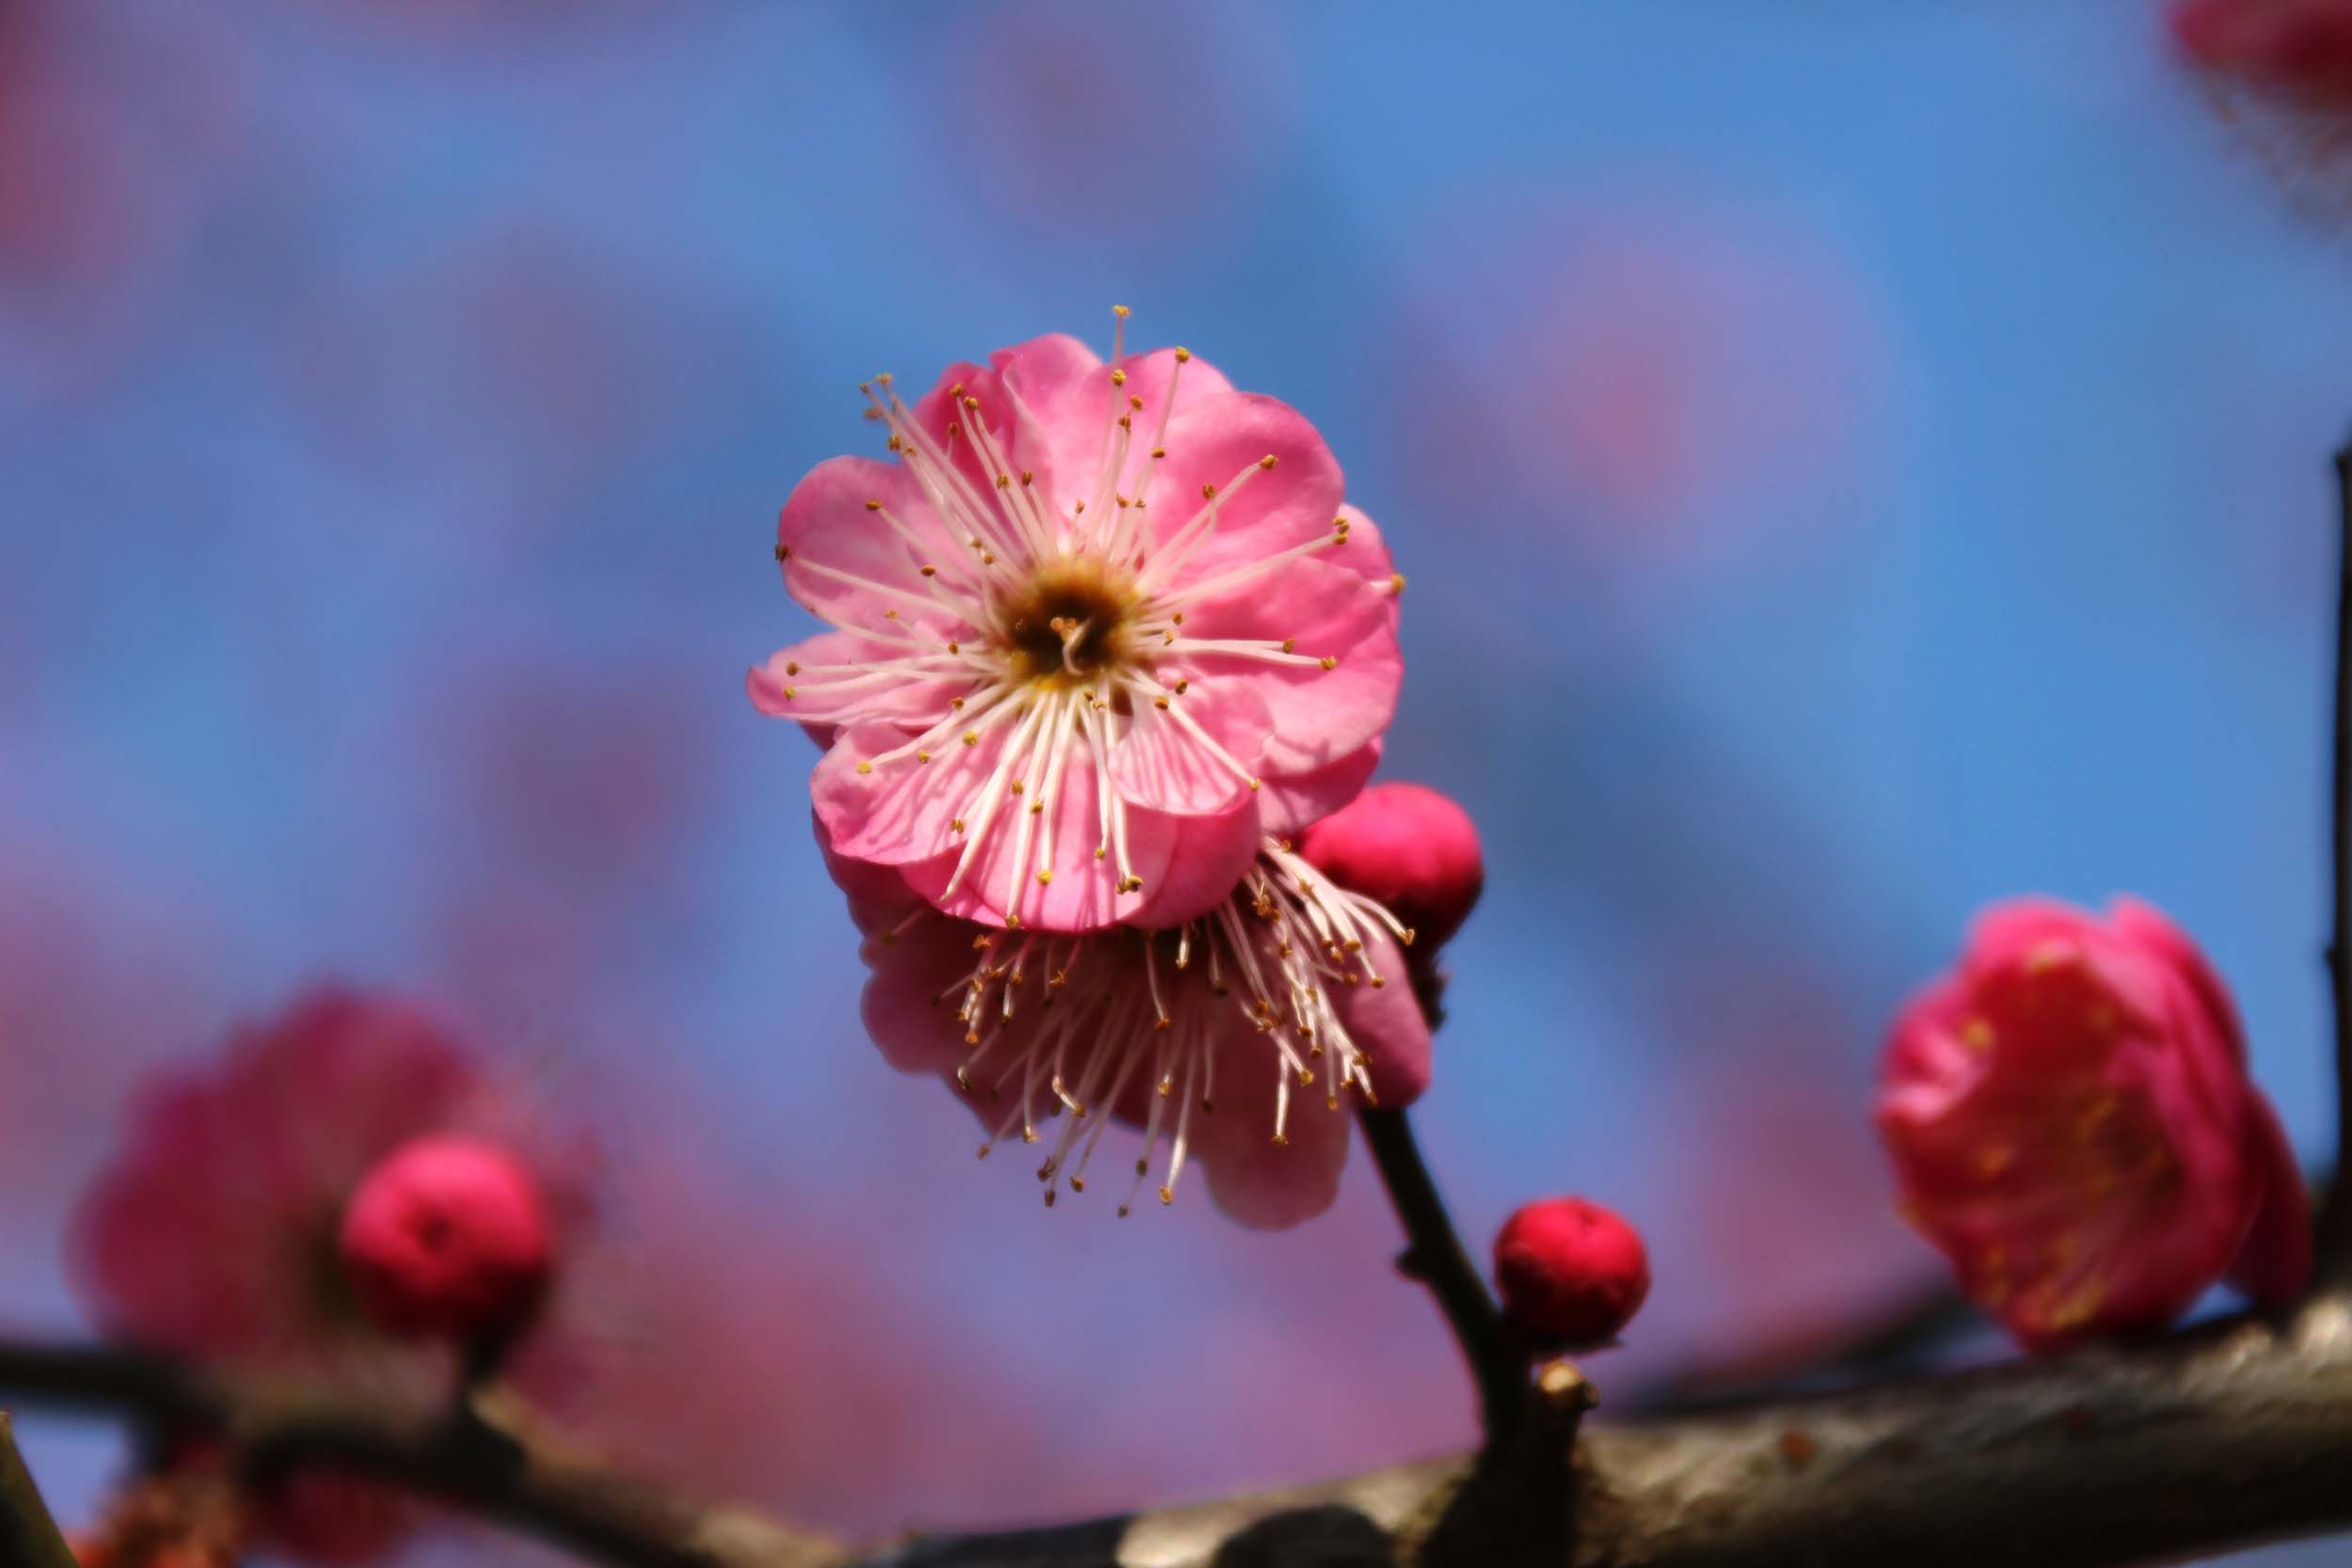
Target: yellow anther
1208, 492
922, 756
792, 667
1160, 703
1184, 355
1328, 662
1120, 312
1119, 378
866, 768
955, 825
1290, 644
1396, 582
872, 505
931, 571
1044, 877
1268, 461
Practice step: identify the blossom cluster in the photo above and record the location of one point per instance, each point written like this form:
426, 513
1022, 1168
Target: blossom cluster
1106, 640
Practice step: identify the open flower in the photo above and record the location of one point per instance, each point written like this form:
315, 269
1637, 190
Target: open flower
1234, 1039
2072, 1123
1099, 630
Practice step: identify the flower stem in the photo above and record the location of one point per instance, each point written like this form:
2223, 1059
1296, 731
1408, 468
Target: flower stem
28, 1537
2335, 1236
1433, 1254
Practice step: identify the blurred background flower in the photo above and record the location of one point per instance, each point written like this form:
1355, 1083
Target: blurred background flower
1851, 464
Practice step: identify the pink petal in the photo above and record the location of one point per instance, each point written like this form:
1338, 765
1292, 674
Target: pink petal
2274, 1266
795, 684
1162, 766
847, 566
2153, 929
1259, 1184
1319, 715
1388, 1025
898, 812
1206, 857
1288, 802
913, 991
1218, 441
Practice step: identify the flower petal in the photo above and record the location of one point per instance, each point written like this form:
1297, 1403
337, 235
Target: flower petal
847, 565
1221, 442
1326, 611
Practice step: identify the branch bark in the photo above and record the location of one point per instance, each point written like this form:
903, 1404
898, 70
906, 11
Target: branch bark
474, 1458
2335, 1232
2220, 1438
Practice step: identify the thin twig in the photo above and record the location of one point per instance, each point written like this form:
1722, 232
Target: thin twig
2336, 1221
1433, 1254
28, 1537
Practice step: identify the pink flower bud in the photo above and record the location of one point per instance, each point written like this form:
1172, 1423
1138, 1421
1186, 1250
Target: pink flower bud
447, 1238
2073, 1125
1571, 1273
2296, 46
1411, 848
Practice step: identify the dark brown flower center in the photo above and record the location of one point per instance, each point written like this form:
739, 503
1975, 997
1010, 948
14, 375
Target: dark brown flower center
1068, 624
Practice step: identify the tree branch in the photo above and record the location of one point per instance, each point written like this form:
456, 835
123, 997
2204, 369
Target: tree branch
2335, 1234
28, 1537
474, 1458
2223, 1437
1434, 1255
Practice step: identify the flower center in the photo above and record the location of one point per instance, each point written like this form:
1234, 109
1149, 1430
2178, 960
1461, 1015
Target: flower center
1069, 624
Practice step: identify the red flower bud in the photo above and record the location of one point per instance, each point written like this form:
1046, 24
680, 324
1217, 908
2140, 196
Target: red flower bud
2072, 1123
2300, 46
1409, 847
1571, 1273
447, 1236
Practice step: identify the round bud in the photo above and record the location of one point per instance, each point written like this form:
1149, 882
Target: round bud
1409, 847
1571, 1273
446, 1238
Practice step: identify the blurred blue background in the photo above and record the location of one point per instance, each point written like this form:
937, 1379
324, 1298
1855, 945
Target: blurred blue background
1853, 463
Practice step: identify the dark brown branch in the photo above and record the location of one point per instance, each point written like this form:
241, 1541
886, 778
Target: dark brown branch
2336, 1216
481, 1461
1433, 1254
2223, 1438
28, 1537
2220, 1438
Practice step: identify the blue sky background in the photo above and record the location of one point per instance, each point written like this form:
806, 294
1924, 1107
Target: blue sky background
1853, 462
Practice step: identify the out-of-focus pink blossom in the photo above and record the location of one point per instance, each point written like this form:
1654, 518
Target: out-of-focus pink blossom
1410, 848
1656, 387
2072, 1123
214, 1233
1034, 113
1571, 1273
1100, 630
2302, 47
1234, 1039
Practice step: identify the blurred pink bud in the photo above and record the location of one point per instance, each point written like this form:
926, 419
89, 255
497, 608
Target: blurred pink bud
1407, 846
1572, 1274
447, 1238
214, 1232
2299, 46
2072, 1123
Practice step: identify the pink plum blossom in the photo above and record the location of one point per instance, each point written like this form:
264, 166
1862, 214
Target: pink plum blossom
214, 1233
1098, 631
2073, 1125
1233, 1037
